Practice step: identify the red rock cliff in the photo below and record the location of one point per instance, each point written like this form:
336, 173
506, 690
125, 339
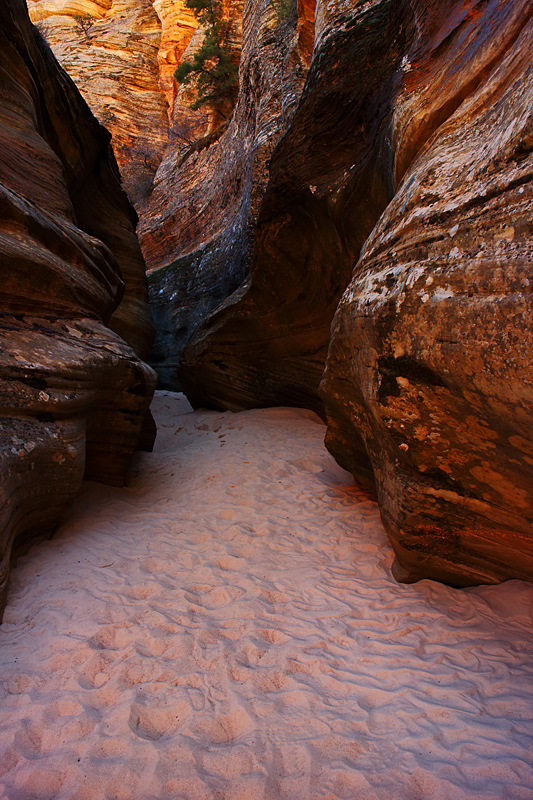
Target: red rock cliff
375, 174
411, 140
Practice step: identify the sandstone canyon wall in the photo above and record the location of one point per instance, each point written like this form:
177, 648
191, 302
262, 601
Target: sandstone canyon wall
112, 57
371, 198
267, 344
429, 370
399, 175
74, 319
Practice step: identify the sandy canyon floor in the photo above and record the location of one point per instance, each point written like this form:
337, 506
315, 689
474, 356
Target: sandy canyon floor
227, 628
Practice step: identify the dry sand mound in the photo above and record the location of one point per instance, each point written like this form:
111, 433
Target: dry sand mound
227, 628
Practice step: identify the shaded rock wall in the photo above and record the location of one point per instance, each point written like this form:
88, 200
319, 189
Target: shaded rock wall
73, 393
267, 344
422, 157
204, 210
430, 361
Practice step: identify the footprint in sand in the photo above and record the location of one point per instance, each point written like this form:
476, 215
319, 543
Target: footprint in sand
154, 566
273, 681
275, 597
70, 721
237, 762
215, 597
231, 563
44, 784
158, 715
231, 534
9, 760
65, 708
94, 672
274, 636
34, 739
136, 670
111, 748
112, 637
153, 646
74, 729
250, 655
295, 698
226, 728
139, 592
18, 684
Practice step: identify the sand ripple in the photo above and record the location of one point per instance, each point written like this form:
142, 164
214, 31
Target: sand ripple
227, 628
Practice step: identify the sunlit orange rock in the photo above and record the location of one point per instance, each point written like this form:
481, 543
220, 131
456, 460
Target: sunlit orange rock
178, 25
110, 48
73, 393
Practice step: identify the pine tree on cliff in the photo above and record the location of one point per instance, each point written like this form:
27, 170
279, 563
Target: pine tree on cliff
211, 65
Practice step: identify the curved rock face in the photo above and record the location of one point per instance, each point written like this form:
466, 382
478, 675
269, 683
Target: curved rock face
110, 48
73, 393
422, 155
204, 209
267, 344
429, 369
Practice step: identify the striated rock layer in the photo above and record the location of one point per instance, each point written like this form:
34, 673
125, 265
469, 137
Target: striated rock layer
429, 370
267, 344
111, 48
422, 155
204, 209
73, 393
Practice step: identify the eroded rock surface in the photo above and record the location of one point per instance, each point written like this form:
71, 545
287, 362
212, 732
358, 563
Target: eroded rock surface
429, 370
267, 344
422, 155
110, 48
73, 393
205, 210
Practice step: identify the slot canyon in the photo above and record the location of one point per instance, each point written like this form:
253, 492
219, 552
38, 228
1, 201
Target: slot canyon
294, 321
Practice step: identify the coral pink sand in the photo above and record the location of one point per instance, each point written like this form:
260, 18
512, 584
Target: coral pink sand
227, 628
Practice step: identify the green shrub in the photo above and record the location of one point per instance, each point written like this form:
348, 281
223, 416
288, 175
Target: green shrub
83, 24
211, 66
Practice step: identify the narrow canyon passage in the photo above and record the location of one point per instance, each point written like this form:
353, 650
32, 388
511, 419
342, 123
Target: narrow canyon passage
227, 627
